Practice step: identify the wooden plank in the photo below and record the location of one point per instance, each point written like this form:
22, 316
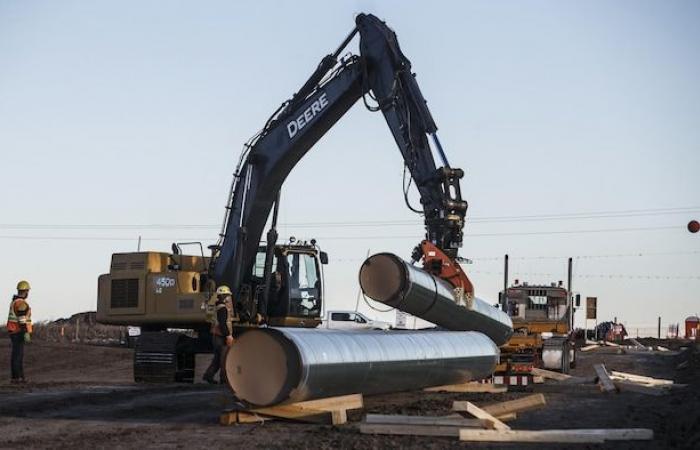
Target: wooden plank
640, 378
294, 412
549, 374
231, 417
332, 410
515, 406
507, 417
248, 417
450, 421
469, 387
479, 413
592, 436
606, 384
411, 430
588, 348
352, 401
228, 417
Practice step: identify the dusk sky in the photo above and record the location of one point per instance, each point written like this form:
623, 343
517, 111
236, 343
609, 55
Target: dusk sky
576, 124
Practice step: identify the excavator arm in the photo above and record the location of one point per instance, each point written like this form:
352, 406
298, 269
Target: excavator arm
382, 73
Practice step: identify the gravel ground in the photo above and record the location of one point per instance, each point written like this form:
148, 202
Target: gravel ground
82, 396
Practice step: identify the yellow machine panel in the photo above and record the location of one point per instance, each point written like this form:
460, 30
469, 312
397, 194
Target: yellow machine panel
141, 289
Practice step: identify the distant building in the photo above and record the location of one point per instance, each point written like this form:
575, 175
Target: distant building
691, 327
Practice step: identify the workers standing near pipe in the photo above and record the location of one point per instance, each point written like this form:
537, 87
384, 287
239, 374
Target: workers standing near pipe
19, 326
222, 334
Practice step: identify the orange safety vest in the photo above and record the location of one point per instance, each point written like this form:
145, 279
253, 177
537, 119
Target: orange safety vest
20, 315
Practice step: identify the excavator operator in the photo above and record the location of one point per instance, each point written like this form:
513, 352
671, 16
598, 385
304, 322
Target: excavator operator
222, 334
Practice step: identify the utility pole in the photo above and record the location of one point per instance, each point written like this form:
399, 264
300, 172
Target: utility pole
504, 297
659, 329
570, 300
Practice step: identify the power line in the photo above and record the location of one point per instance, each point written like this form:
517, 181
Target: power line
554, 257
601, 230
382, 223
595, 275
343, 238
592, 215
612, 255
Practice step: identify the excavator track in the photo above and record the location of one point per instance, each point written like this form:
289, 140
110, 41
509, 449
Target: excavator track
164, 357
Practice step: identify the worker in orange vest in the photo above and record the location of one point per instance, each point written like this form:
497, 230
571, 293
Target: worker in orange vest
19, 325
222, 334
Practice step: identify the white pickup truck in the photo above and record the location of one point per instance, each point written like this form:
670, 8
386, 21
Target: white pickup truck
344, 320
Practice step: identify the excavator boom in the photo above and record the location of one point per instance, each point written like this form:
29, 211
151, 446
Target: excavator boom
381, 75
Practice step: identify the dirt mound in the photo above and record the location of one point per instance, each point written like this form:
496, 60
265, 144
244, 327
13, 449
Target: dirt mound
49, 363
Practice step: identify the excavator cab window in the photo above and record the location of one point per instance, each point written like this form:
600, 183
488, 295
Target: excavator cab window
259, 267
296, 284
304, 285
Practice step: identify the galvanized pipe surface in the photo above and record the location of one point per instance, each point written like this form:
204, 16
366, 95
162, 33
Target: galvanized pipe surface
268, 366
386, 278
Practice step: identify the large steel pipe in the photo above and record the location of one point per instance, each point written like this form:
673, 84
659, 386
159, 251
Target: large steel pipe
267, 366
386, 278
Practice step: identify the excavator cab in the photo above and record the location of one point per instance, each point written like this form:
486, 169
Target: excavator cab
296, 290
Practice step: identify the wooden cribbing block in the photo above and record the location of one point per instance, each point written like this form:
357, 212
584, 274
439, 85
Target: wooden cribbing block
332, 410
549, 374
515, 406
471, 408
228, 417
352, 401
232, 417
469, 387
288, 412
589, 436
337, 406
606, 384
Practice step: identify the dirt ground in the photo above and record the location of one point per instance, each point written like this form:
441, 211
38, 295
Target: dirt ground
82, 396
